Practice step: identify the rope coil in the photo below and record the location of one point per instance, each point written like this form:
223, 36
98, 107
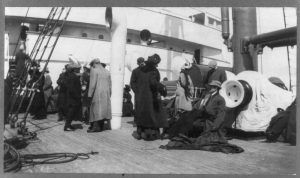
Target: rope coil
13, 161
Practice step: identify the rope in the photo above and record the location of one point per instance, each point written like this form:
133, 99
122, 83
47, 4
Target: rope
13, 161
36, 83
288, 53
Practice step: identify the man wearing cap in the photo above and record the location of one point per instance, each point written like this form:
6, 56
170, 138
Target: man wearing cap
73, 95
99, 94
215, 73
134, 78
207, 115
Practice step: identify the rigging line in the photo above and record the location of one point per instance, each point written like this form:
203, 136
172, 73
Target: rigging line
55, 42
288, 53
39, 41
51, 34
42, 33
14, 53
23, 122
20, 32
14, 117
25, 70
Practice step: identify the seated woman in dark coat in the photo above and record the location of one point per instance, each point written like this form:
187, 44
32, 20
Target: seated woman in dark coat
207, 116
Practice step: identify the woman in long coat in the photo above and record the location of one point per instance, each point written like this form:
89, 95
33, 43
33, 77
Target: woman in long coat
100, 93
150, 115
184, 91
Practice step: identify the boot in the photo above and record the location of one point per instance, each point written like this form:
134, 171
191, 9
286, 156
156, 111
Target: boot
109, 124
91, 126
101, 124
95, 128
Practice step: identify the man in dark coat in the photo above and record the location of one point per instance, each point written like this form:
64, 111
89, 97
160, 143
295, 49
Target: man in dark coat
21, 58
61, 101
73, 96
207, 116
150, 115
134, 79
215, 73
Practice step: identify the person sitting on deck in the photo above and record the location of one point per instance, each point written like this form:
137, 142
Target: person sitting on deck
206, 117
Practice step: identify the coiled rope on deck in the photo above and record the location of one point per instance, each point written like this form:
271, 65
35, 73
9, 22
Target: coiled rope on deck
13, 161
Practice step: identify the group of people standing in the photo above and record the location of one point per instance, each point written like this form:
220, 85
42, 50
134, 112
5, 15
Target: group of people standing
85, 96
205, 114
150, 115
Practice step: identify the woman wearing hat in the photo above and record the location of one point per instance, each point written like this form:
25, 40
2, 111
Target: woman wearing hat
149, 115
207, 116
184, 91
73, 96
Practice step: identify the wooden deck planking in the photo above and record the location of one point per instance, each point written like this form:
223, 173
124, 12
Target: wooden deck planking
119, 152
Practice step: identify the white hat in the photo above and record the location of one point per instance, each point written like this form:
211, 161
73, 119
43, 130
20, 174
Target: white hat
86, 65
73, 60
186, 65
212, 64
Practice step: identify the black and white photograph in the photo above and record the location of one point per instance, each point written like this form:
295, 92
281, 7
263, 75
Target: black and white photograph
150, 90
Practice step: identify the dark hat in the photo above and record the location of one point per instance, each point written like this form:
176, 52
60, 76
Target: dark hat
140, 60
127, 88
215, 83
155, 59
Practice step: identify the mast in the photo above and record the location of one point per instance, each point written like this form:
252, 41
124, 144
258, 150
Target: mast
244, 25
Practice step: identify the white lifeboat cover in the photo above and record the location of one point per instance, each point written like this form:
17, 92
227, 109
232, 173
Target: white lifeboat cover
267, 97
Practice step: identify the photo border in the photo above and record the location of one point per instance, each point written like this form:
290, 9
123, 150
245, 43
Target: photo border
136, 3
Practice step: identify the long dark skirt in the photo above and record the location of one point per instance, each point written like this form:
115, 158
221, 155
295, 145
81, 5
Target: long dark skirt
38, 108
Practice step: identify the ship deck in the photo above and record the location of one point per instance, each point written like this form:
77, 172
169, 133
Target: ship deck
120, 153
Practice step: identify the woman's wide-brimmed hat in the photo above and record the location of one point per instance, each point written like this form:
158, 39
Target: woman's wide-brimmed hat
155, 59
